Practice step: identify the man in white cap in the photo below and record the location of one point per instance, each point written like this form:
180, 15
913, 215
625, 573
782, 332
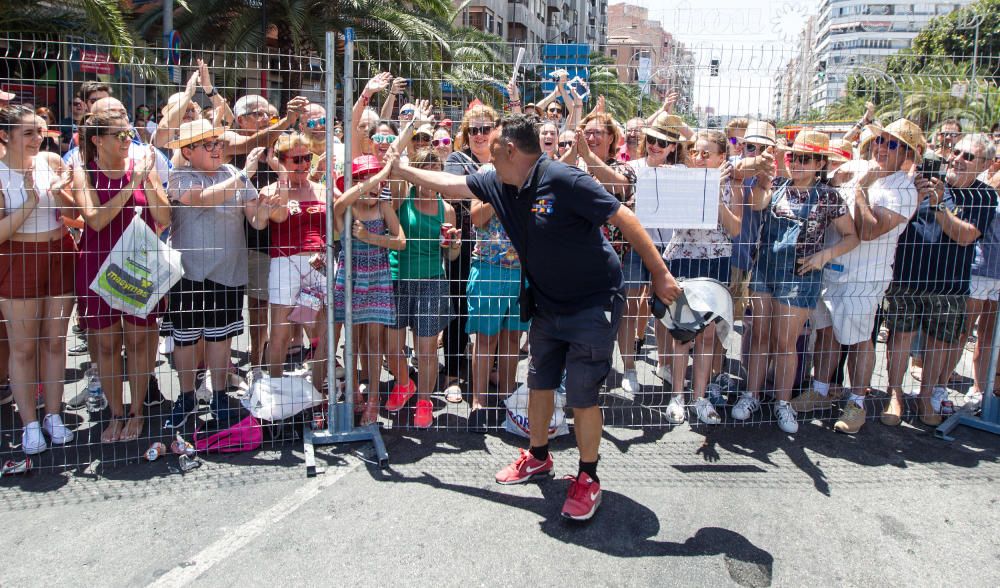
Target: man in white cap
881, 201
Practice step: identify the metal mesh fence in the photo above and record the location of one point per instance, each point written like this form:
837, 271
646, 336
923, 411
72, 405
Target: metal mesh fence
254, 302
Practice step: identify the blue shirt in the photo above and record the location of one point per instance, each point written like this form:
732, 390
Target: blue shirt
987, 262
746, 242
556, 230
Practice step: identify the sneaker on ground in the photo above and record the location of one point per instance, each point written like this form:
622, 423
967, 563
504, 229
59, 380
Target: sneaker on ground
939, 400
851, 420
183, 407
58, 433
32, 439
400, 395
809, 401
423, 414
675, 410
663, 372
153, 395
725, 382
525, 468
221, 411
706, 412
78, 349
630, 382
973, 400
77, 329
787, 418
583, 498
715, 395
745, 406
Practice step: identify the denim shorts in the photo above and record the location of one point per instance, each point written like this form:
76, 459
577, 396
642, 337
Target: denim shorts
775, 275
717, 268
492, 298
580, 345
636, 274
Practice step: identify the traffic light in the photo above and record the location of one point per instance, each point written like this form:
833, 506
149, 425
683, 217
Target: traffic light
821, 70
714, 68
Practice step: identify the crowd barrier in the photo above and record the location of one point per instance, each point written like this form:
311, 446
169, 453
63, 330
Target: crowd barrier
709, 79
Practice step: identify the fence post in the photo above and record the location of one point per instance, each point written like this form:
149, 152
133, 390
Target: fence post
340, 417
990, 419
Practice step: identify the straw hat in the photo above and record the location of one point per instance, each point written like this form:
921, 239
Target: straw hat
667, 127
361, 167
194, 131
841, 151
761, 132
865, 139
811, 141
906, 131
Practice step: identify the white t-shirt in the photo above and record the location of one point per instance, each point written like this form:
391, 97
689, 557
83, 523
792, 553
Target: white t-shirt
871, 261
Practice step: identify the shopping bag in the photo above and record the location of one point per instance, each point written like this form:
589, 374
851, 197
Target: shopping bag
275, 399
307, 306
246, 435
517, 413
139, 271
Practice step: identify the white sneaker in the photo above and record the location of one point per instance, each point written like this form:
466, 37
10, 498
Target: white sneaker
745, 406
204, 392
706, 412
663, 372
676, 414
787, 418
630, 382
32, 439
79, 400
57, 431
973, 400
940, 402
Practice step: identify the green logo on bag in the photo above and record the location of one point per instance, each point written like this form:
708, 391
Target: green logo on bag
135, 290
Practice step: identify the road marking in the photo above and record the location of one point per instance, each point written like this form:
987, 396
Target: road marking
238, 538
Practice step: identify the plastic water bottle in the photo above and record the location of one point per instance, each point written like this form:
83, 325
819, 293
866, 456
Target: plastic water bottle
96, 401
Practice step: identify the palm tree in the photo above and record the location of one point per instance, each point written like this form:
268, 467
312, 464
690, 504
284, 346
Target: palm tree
100, 20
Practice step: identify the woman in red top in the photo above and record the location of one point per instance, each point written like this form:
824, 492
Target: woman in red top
298, 232
107, 191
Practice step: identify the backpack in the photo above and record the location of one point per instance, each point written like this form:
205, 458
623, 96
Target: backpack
245, 435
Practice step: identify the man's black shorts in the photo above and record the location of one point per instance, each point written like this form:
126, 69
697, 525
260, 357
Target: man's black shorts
205, 309
580, 344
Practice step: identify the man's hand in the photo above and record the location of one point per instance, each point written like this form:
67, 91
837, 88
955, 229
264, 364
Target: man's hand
665, 287
192, 85
398, 86
295, 108
378, 83
932, 190
204, 77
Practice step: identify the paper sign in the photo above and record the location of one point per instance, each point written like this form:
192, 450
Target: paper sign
677, 198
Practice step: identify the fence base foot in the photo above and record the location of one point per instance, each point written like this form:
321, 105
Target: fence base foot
311, 438
964, 418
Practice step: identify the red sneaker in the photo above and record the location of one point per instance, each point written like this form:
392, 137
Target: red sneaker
583, 498
423, 416
525, 468
400, 395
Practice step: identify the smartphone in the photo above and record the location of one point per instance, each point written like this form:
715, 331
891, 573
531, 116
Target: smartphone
932, 167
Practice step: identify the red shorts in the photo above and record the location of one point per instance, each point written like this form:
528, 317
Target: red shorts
37, 269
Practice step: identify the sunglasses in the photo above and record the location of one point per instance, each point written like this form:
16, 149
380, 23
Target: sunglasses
651, 140
555, 109
258, 114
565, 144
380, 138
803, 158
208, 145
407, 112
594, 133
316, 122
297, 159
969, 157
893, 144
483, 130
702, 154
734, 141
442, 141
951, 134
126, 135
78, 102
753, 147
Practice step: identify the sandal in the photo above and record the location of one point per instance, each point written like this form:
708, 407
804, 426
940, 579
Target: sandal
890, 417
453, 394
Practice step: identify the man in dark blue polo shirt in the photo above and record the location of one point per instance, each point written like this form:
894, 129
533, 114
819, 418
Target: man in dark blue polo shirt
553, 214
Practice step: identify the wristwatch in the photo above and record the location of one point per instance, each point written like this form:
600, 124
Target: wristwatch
212, 93
941, 207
